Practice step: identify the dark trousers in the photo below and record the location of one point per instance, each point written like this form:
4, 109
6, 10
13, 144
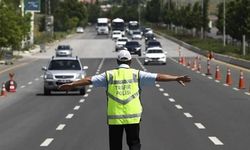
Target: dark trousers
132, 135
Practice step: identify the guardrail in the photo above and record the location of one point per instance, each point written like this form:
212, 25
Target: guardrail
225, 58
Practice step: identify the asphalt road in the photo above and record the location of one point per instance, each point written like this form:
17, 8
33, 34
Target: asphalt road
204, 115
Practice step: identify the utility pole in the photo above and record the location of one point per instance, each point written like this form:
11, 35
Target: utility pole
224, 23
202, 15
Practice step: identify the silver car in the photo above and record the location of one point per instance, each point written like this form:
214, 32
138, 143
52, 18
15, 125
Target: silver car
62, 70
64, 51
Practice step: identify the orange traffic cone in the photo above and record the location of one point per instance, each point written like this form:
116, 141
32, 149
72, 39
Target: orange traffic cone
229, 78
3, 91
217, 73
241, 81
12, 87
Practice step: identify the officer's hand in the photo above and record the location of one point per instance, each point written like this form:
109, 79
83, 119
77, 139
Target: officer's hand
65, 87
183, 79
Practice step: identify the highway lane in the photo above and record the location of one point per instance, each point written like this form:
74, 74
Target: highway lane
174, 116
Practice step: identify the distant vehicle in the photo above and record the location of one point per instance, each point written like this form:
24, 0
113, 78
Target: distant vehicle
102, 26
79, 30
64, 51
155, 55
120, 42
134, 47
147, 30
62, 70
118, 24
136, 35
116, 34
149, 36
152, 43
133, 26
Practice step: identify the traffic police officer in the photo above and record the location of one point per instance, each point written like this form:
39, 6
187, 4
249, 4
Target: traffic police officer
123, 93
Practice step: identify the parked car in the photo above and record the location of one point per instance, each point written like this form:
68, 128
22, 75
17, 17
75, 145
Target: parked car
116, 34
63, 51
120, 42
152, 43
79, 30
136, 35
62, 70
134, 47
155, 55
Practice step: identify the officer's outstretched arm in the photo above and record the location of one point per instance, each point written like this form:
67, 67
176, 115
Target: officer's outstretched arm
69, 86
166, 77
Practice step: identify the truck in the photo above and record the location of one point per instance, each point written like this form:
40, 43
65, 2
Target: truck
102, 26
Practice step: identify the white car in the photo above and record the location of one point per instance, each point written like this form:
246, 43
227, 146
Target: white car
136, 35
155, 55
116, 34
79, 30
120, 42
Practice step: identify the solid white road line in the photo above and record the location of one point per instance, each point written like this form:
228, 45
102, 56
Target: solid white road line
47, 142
188, 115
199, 126
178, 106
60, 127
171, 100
82, 101
76, 107
215, 140
69, 116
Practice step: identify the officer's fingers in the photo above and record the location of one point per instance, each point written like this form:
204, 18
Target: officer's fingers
182, 83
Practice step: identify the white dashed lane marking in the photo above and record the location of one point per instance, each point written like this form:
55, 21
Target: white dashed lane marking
178, 106
171, 100
29, 82
165, 94
86, 95
89, 90
60, 127
69, 116
82, 101
47, 142
215, 140
23, 86
161, 89
199, 126
76, 107
157, 85
188, 115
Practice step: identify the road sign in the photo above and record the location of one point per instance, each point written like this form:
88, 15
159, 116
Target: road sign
32, 5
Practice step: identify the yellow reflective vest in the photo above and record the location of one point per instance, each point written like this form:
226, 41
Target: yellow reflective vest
123, 93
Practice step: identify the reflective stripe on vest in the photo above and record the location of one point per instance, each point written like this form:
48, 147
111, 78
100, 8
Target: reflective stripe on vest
124, 106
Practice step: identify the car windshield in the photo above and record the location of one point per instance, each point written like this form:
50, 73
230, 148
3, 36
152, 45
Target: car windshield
132, 44
155, 51
154, 44
63, 47
136, 32
64, 65
122, 40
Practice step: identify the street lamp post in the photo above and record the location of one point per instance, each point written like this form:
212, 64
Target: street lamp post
202, 15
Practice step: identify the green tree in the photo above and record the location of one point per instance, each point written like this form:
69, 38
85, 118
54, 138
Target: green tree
13, 28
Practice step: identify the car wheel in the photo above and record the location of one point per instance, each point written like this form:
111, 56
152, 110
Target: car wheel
46, 91
139, 54
82, 91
